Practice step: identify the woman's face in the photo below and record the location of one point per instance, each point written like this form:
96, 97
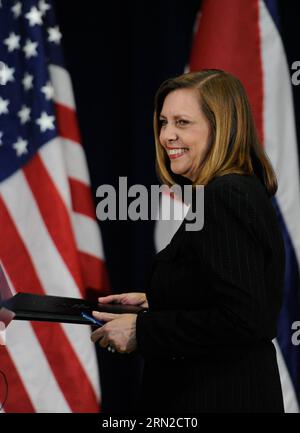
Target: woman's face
184, 132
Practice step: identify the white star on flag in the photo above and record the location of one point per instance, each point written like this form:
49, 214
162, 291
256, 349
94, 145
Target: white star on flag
3, 105
48, 91
45, 121
16, 9
24, 114
54, 34
34, 17
27, 81
12, 42
43, 7
30, 49
7, 74
20, 146
1, 136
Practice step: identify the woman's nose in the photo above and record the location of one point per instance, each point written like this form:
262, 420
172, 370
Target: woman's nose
168, 133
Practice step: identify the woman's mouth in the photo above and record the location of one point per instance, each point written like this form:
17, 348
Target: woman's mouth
176, 153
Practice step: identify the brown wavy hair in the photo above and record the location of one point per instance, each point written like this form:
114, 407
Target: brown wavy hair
234, 144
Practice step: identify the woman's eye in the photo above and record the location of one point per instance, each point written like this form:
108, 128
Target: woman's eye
182, 122
162, 122
179, 122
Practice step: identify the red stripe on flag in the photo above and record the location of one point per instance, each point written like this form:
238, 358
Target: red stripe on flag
64, 363
82, 198
228, 38
67, 124
94, 273
18, 399
55, 215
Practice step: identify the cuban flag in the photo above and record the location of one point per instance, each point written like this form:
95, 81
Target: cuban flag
243, 38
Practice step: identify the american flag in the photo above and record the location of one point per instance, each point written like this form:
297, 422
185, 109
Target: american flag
50, 241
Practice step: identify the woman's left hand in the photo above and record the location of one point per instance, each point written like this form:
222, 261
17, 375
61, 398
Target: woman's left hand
119, 331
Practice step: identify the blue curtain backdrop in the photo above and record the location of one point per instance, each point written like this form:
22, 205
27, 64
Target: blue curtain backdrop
118, 53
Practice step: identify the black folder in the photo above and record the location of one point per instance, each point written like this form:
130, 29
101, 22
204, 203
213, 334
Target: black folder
27, 306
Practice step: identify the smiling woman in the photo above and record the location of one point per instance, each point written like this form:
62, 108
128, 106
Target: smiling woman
184, 132
214, 295
220, 133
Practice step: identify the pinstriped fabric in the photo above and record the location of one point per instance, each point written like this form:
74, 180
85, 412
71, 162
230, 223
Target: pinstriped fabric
214, 300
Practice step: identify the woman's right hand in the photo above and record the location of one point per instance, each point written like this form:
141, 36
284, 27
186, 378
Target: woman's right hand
134, 298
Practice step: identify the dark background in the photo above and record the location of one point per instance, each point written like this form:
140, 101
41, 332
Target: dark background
118, 53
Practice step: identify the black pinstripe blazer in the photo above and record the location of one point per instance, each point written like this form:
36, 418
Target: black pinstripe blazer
214, 299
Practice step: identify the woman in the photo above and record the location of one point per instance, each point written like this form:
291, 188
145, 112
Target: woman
215, 294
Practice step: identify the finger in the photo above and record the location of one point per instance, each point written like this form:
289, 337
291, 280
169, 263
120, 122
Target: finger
110, 298
103, 342
106, 317
96, 335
